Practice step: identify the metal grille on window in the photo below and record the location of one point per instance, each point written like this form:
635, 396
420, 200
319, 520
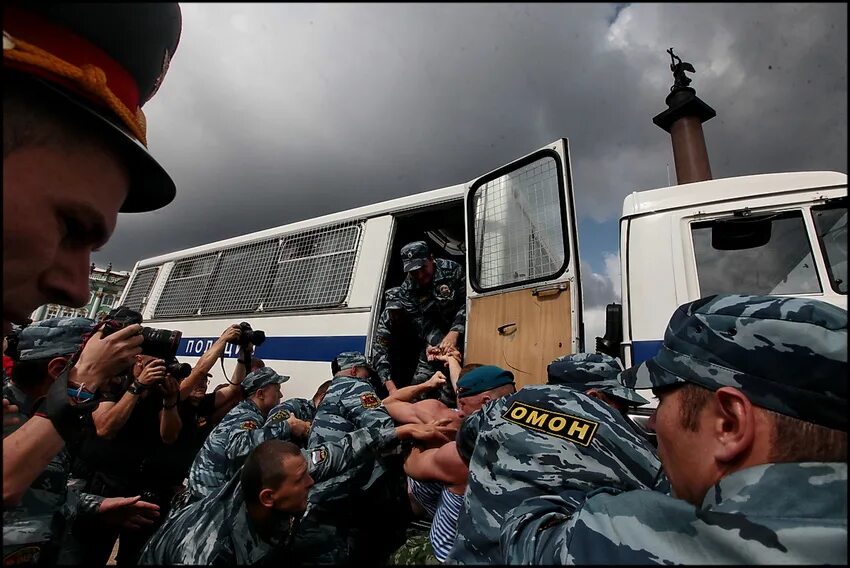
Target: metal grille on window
518, 226
302, 270
140, 287
186, 283
314, 268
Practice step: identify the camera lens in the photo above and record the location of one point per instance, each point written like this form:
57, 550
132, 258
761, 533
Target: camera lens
161, 343
258, 337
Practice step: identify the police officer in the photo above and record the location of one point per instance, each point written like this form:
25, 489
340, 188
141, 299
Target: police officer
752, 432
360, 514
437, 289
241, 430
76, 76
253, 517
300, 408
546, 439
37, 530
398, 335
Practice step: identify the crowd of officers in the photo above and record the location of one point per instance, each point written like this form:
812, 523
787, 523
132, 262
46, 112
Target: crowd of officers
455, 465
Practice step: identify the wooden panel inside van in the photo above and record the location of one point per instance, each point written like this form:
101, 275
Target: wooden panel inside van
521, 331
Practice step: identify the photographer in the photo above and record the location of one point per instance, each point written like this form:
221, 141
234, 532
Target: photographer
197, 408
36, 530
133, 429
28, 451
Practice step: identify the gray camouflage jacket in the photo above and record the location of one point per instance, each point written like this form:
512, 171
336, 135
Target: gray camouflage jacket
241, 430
788, 513
350, 404
542, 440
216, 529
441, 307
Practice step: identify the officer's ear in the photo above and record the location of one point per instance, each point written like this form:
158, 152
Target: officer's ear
267, 498
734, 424
56, 366
594, 393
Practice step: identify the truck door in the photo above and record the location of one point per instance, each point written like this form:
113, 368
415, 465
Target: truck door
523, 284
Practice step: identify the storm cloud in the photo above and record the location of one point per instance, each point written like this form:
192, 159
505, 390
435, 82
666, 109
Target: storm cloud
274, 113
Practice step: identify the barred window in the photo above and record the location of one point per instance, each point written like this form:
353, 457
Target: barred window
240, 278
314, 269
518, 226
303, 270
183, 291
140, 287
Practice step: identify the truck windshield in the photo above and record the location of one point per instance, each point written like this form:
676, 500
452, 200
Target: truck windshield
764, 254
831, 223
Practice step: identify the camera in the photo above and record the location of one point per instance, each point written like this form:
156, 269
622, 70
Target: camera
178, 370
250, 335
159, 343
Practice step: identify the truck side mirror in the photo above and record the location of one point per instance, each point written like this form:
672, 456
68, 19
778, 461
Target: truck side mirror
610, 343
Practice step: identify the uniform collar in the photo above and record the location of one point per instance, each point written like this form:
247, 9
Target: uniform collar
809, 489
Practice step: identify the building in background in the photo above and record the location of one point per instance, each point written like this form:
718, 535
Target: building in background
105, 287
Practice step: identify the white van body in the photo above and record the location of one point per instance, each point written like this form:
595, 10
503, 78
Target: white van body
316, 286
667, 258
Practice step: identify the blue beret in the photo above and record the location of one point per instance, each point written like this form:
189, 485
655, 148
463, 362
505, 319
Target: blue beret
483, 379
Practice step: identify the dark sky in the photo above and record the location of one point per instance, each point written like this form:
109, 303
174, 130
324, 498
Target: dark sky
273, 113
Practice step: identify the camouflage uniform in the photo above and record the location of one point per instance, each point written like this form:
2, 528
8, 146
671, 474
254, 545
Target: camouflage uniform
216, 530
241, 430
37, 531
439, 308
301, 408
390, 332
343, 507
788, 355
542, 440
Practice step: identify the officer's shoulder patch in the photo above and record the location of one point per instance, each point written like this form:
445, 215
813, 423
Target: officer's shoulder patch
281, 415
572, 428
248, 425
369, 400
319, 455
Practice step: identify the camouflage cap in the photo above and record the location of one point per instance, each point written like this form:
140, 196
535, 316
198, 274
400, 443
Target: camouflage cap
482, 379
350, 359
414, 255
260, 378
788, 355
53, 337
585, 371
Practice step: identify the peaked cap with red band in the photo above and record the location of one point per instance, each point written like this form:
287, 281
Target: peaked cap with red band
108, 60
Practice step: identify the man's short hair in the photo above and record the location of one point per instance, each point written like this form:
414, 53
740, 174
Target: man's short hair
265, 469
28, 374
791, 440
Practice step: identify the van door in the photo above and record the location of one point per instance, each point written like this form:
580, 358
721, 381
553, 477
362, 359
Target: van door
523, 283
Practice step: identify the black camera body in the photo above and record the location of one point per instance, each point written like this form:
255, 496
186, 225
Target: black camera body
178, 370
159, 343
250, 335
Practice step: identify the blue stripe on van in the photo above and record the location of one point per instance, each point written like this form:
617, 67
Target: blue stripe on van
317, 348
643, 350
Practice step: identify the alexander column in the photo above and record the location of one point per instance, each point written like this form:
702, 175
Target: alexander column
683, 120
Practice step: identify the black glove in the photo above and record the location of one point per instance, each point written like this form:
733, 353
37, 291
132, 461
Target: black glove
72, 420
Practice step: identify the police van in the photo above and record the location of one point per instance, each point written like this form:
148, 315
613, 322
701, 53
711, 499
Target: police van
316, 287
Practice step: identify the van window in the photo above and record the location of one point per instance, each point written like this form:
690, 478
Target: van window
831, 223
518, 226
314, 269
759, 254
309, 269
186, 283
140, 287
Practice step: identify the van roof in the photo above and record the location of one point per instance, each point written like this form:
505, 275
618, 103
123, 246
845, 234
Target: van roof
699, 193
